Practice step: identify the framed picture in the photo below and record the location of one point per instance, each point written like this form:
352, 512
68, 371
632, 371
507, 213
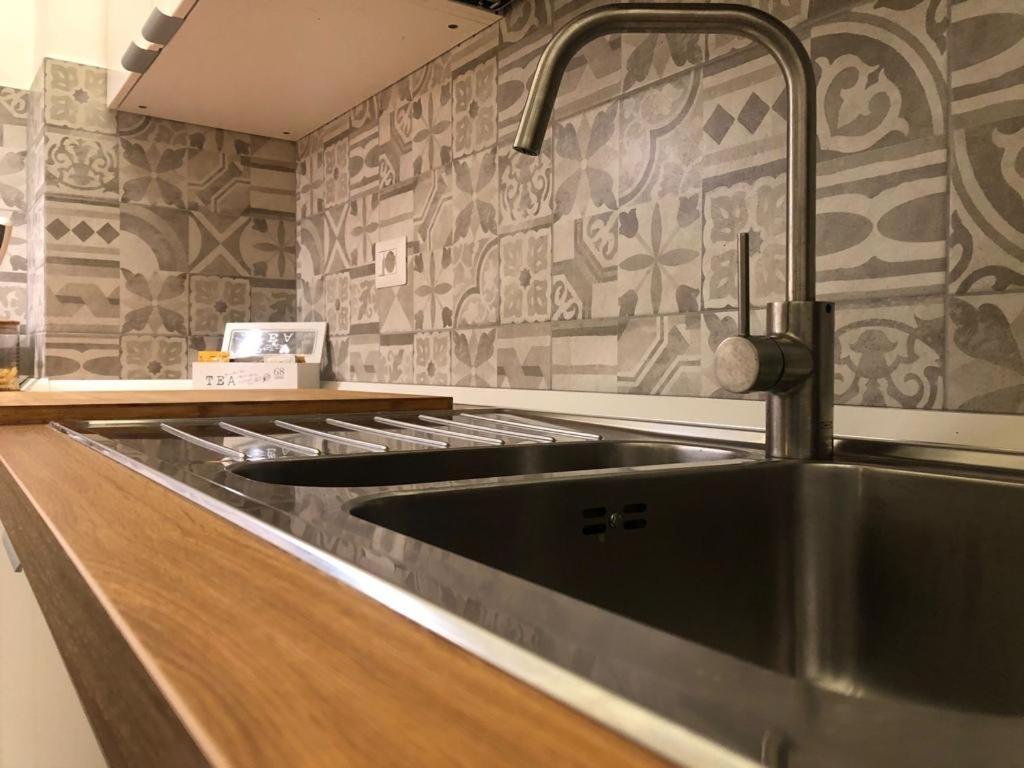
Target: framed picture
250, 339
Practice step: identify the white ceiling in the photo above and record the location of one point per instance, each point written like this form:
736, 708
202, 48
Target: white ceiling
270, 66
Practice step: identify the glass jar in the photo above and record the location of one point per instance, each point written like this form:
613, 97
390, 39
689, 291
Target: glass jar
9, 341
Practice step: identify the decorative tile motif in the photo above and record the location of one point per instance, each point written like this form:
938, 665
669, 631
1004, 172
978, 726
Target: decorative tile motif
82, 356
433, 289
516, 68
155, 302
272, 186
215, 301
13, 296
523, 355
215, 244
891, 353
144, 356
986, 353
17, 257
439, 125
476, 282
882, 76
350, 232
475, 196
268, 247
339, 357
153, 174
650, 58
986, 61
154, 239
365, 360
758, 208
584, 355
475, 107
82, 295
594, 75
395, 308
335, 172
659, 153
13, 106
405, 141
525, 188
585, 167
336, 289
363, 160
151, 130
218, 182
474, 363
882, 222
231, 143
311, 299
362, 304
661, 355
986, 233
310, 261
659, 258
397, 357
433, 219
273, 300
584, 269
76, 97
432, 358
396, 216
12, 178
526, 276
81, 165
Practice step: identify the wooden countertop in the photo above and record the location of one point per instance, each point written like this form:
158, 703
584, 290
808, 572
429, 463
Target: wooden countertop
192, 642
42, 407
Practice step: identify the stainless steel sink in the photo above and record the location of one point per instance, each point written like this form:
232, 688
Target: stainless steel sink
410, 467
858, 579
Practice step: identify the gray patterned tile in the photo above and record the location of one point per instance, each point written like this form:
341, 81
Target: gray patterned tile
154, 302
476, 281
523, 354
432, 357
891, 353
336, 299
151, 130
220, 141
475, 196
13, 106
986, 234
273, 300
594, 75
350, 230
365, 361
81, 165
648, 59
586, 165
405, 141
362, 304
215, 244
12, 178
215, 301
584, 355
659, 257
985, 370
584, 269
433, 289
273, 186
526, 276
81, 356
433, 216
661, 355
475, 107
525, 188
363, 159
310, 261
76, 97
154, 239
396, 351
474, 363
395, 308
986, 61
153, 173
148, 356
218, 182
335, 172
268, 247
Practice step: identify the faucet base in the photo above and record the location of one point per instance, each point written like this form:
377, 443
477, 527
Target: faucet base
799, 419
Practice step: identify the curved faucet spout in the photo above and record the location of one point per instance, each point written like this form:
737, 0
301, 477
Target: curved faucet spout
726, 18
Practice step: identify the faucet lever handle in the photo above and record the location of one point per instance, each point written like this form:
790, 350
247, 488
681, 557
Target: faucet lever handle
743, 282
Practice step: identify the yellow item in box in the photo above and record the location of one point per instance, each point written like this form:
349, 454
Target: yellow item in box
213, 356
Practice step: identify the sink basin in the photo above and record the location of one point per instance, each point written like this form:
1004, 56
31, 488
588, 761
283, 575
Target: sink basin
858, 579
407, 467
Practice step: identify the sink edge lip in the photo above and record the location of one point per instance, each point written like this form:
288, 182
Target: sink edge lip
634, 722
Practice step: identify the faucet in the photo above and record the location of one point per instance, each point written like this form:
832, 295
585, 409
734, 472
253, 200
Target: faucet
793, 363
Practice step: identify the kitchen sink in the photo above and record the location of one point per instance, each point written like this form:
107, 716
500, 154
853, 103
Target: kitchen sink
858, 579
404, 468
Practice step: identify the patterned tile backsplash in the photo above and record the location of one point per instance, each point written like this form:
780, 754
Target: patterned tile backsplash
606, 263
137, 238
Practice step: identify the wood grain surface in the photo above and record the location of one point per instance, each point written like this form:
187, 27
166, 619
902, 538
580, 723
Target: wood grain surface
264, 660
43, 407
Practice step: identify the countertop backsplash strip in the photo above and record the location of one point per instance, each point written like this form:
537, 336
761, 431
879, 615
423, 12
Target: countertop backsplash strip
607, 263
142, 237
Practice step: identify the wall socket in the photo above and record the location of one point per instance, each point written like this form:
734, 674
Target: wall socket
389, 262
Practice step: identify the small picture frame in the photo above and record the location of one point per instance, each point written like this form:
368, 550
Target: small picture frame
251, 339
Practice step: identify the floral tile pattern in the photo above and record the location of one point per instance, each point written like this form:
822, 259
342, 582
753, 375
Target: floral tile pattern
474, 363
13, 106
659, 258
335, 172
336, 299
154, 239
145, 356
474, 197
586, 164
986, 349
81, 165
12, 178
153, 173
661, 355
362, 304
523, 355
76, 97
218, 182
648, 59
432, 358
525, 188
525, 276
156, 302
215, 301
891, 353
475, 273
475, 107
268, 247
272, 300
584, 269
151, 130
433, 285
396, 351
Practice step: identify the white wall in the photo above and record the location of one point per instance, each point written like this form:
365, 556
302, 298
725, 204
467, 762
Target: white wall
17, 42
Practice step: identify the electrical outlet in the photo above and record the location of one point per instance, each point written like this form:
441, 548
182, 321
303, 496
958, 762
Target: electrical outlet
389, 262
